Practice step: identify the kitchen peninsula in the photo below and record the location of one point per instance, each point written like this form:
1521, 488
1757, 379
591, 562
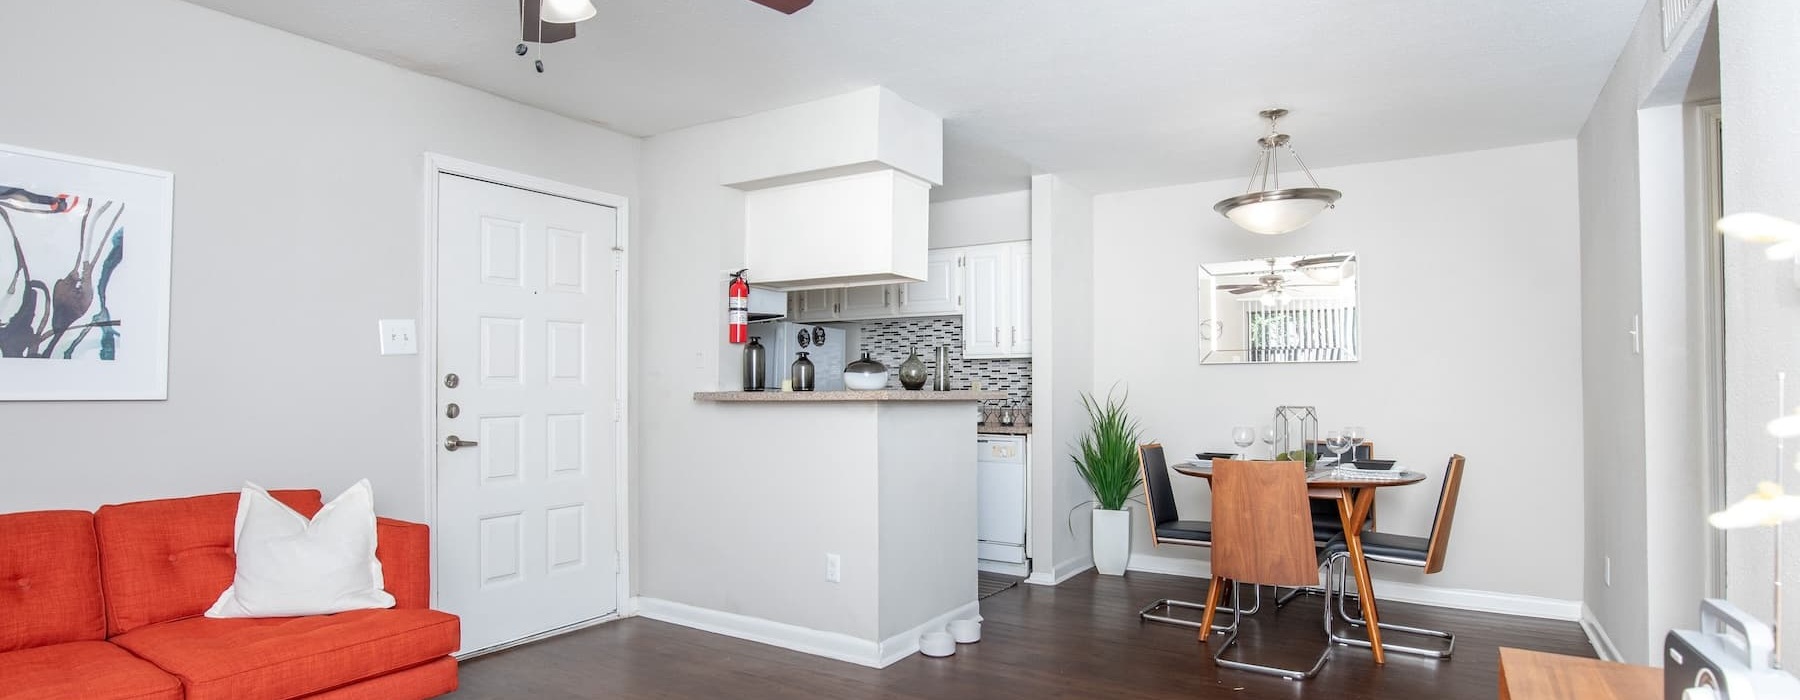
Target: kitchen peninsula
852, 515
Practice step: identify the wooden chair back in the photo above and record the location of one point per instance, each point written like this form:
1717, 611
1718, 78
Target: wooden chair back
1446, 512
1159, 494
1261, 525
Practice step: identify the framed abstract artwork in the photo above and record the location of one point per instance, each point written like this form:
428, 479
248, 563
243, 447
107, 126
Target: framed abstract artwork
84, 278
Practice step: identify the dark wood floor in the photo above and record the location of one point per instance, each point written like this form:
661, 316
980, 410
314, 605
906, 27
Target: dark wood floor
1078, 640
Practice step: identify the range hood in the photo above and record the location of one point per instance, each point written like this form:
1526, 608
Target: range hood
767, 304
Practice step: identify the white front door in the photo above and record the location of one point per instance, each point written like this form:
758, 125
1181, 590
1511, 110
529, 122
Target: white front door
527, 322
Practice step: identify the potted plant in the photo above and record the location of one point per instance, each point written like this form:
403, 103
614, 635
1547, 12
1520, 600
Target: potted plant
1107, 460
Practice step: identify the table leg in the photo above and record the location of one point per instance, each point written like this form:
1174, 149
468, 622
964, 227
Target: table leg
1353, 509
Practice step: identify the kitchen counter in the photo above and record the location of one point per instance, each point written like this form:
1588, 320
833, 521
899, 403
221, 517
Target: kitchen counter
844, 396
998, 429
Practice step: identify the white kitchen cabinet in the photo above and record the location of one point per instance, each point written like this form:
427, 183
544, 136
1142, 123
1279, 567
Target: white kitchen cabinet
997, 300
1019, 289
941, 292
815, 305
868, 302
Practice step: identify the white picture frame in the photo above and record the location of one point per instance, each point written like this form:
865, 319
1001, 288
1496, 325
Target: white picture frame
85, 260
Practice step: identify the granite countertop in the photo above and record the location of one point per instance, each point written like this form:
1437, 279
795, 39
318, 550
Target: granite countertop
998, 429
843, 396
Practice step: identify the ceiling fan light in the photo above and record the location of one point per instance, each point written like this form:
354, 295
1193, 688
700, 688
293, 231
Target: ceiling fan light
567, 11
1277, 211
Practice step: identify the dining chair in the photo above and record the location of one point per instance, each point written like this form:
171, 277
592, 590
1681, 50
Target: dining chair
1328, 525
1261, 535
1425, 553
1167, 527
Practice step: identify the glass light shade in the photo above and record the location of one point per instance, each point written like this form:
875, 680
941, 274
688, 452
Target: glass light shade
567, 11
1277, 211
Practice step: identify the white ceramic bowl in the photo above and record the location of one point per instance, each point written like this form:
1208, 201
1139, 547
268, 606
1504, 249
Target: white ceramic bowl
937, 644
865, 382
965, 631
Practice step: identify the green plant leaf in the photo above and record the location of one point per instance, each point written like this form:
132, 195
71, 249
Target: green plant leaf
1106, 455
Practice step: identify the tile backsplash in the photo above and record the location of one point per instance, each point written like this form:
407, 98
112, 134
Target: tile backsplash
888, 341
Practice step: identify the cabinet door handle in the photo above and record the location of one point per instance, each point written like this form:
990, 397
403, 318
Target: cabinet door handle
887, 297
996, 336
837, 308
1015, 335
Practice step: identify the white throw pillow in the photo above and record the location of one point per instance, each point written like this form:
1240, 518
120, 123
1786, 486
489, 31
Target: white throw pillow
288, 566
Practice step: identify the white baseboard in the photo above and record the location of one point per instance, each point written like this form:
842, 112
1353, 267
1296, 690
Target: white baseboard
906, 643
1399, 591
1062, 571
1596, 634
831, 645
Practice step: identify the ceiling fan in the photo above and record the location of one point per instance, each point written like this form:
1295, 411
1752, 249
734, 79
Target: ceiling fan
1272, 287
551, 21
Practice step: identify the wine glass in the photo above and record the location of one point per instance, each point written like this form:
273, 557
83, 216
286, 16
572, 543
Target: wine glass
1243, 436
1268, 438
1338, 444
1357, 436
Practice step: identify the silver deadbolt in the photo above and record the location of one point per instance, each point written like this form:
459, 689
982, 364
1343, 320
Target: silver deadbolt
452, 411
454, 443
451, 380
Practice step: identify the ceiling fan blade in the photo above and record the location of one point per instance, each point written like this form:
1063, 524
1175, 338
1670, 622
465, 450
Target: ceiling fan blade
1248, 290
784, 6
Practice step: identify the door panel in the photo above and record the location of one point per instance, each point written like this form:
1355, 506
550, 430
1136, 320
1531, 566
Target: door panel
938, 293
527, 317
983, 313
875, 301
1019, 316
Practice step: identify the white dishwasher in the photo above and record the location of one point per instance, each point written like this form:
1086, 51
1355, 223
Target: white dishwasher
1000, 496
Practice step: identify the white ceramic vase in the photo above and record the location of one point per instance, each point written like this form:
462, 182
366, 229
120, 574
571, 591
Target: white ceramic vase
1112, 540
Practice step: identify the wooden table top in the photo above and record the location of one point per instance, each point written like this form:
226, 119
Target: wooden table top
1535, 675
1320, 478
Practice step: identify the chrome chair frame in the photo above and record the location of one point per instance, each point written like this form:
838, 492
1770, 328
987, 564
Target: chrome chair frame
1231, 633
1339, 564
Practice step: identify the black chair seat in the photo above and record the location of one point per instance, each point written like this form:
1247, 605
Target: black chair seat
1197, 530
1383, 546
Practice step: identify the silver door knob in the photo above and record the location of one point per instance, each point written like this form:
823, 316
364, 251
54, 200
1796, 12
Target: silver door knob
454, 443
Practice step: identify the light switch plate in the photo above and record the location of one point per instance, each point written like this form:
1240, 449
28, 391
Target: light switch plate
399, 336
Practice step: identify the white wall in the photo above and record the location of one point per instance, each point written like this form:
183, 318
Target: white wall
995, 218
1062, 316
298, 174
1760, 85
1644, 479
1468, 266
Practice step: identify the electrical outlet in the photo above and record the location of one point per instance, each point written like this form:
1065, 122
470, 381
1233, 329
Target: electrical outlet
834, 568
1608, 573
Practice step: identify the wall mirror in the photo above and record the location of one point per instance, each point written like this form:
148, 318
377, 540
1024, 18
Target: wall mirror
1280, 309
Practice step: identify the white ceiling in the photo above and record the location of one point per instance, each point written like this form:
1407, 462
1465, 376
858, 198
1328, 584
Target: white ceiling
1114, 95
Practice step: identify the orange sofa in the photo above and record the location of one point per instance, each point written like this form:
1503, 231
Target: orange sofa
107, 606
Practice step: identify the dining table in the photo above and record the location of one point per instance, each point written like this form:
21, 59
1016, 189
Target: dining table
1354, 491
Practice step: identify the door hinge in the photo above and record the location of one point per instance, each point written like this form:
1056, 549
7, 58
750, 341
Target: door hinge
618, 410
959, 300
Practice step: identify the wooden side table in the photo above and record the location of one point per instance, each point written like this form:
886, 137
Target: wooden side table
1534, 675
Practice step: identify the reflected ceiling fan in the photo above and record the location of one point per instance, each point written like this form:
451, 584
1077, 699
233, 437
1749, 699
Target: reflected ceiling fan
1272, 287
550, 21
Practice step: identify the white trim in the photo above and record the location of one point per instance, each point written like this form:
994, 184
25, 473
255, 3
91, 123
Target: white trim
831, 645
1596, 634
1063, 571
436, 164
906, 643
1399, 591
584, 624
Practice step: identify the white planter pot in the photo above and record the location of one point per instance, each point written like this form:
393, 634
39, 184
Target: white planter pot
1112, 540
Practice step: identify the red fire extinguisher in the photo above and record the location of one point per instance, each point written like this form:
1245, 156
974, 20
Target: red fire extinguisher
738, 304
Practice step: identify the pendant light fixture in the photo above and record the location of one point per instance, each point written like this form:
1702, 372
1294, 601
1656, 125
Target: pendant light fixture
568, 11
1267, 208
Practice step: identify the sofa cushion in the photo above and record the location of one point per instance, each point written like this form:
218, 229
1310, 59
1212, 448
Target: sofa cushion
427, 680
291, 656
87, 670
169, 559
49, 580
